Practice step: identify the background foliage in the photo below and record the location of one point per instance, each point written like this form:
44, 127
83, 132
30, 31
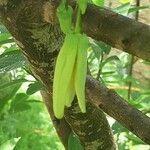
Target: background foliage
24, 121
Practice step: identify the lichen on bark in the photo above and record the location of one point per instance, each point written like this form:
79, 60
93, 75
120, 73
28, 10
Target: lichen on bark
41, 42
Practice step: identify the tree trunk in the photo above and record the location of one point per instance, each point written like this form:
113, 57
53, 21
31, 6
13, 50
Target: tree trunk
35, 28
40, 41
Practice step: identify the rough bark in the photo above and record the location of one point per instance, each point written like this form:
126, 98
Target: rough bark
61, 126
118, 31
119, 109
32, 24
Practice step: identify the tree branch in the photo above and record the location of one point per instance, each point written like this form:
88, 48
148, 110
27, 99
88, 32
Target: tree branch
34, 26
61, 126
118, 31
119, 109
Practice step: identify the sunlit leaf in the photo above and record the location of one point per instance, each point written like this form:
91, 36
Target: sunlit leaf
34, 87
20, 103
74, 143
124, 1
98, 2
10, 144
109, 59
11, 83
11, 60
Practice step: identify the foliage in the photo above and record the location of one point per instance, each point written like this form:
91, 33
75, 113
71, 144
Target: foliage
24, 121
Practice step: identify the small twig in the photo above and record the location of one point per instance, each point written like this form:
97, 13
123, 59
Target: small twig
100, 69
67, 3
137, 3
123, 88
110, 4
116, 107
130, 74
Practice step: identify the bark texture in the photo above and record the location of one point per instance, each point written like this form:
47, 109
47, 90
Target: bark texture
119, 109
34, 26
118, 31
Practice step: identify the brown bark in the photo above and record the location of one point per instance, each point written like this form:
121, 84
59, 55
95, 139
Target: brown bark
118, 31
33, 24
119, 109
62, 128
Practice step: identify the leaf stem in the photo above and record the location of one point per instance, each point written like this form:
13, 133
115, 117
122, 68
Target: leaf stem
78, 21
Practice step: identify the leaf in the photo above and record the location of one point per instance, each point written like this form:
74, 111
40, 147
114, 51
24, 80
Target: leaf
21, 107
11, 60
104, 47
34, 101
65, 17
82, 5
7, 89
108, 73
74, 143
5, 38
124, 1
135, 140
13, 47
135, 9
99, 48
20, 103
10, 144
21, 97
98, 2
118, 128
8, 96
123, 9
34, 87
12, 83
97, 51
130, 79
109, 59
3, 29
126, 8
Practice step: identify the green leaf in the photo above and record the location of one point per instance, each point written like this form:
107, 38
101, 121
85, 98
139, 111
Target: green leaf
83, 5
7, 89
34, 87
13, 47
98, 2
5, 38
10, 144
124, 1
123, 9
74, 143
20, 103
126, 8
99, 48
11, 60
3, 29
135, 140
134, 9
12, 83
108, 73
65, 17
104, 47
21, 97
109, 59
34, 101
23, 106
7, 96
118, 128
